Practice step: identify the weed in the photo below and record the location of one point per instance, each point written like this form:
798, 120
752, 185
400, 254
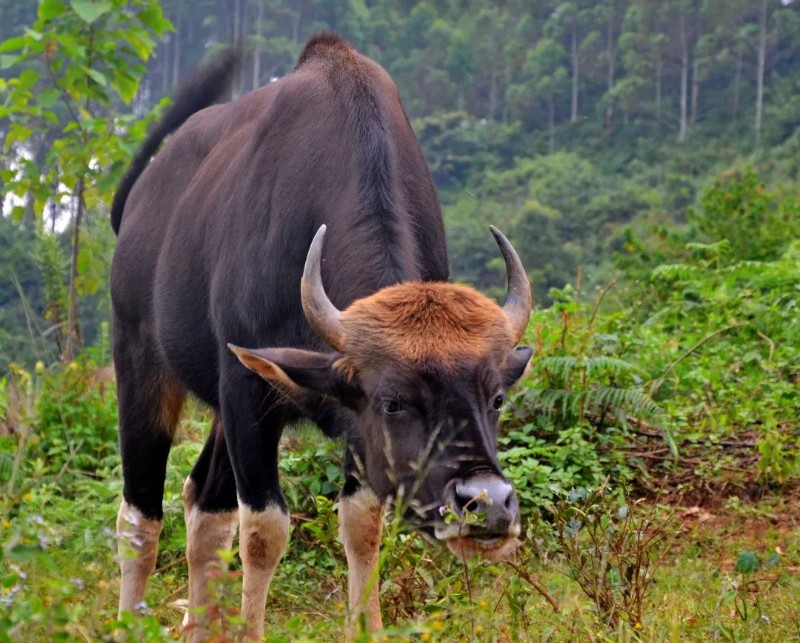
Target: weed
612, 548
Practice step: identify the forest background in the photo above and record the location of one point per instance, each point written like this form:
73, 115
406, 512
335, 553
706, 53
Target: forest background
567, 124
642, 156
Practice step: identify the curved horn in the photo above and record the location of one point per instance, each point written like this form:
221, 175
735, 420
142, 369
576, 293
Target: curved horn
518, 301
324, 317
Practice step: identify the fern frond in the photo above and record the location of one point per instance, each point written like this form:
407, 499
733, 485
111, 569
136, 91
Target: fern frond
602, 365
630, 400
564, 366
673, 272
560, 402
559, 366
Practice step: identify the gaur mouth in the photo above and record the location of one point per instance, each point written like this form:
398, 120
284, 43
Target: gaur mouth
494, 549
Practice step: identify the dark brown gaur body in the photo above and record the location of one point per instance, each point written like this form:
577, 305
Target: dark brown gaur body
366, 338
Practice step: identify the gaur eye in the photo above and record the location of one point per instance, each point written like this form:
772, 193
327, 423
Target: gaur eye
498, 402
391, 407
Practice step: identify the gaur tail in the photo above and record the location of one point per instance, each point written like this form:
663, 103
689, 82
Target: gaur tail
204, 87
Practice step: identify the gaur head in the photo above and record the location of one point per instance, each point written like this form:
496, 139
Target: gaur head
424, 366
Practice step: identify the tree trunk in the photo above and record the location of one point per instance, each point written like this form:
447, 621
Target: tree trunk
610, 79
298, 17
575, 72
257, 49
176, 56
507, 82
54, 211
493, 91
737, 83
762, 59
73, 332
241, 41
238, 86
698, 32
684, 80
165, 65
695, 88
658, 90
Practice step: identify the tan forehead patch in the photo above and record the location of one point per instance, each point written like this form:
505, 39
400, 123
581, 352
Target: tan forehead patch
426, 322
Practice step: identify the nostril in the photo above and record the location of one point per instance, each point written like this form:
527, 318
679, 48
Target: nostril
465, 499
509, 501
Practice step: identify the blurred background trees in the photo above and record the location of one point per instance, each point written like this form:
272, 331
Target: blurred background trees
567, 123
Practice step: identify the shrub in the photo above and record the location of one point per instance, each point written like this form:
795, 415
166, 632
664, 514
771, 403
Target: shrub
612, 548
77, 419
566, 424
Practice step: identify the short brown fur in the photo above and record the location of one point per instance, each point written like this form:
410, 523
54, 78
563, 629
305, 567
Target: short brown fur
259, 551
424, 324
327, 46
172, 400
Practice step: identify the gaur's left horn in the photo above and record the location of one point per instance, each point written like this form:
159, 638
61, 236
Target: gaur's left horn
518, 301
324, 317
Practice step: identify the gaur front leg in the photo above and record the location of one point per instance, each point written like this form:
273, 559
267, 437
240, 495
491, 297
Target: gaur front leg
211, 515
361, 525
263, 535
206, 534
252, 422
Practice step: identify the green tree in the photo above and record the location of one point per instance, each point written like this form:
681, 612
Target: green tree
546, 67
757, 223
78, 62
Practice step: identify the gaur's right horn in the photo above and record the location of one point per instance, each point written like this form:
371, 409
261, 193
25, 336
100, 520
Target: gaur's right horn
324, 317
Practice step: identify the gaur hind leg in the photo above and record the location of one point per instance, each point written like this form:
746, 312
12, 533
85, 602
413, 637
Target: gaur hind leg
253, 419
211, 515
150, 403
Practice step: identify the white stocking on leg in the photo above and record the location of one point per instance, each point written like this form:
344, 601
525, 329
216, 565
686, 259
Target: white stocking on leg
206, 534
360, 526
262, 539
138, 549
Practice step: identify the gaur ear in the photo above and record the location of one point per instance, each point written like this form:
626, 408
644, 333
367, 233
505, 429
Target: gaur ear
296, 371
515, 365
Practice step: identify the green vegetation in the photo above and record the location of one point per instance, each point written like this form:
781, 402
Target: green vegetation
643, 158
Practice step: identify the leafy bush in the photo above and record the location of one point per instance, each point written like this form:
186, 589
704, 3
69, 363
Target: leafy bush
612, 548
712, 312
757, 223
77, 419
565, 426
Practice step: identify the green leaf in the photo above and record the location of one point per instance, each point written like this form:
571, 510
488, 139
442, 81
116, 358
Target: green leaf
12, 44
49, 9
50, 116
27, 79
141, 43
48, 97
96, 76
153, 18
7, 61
23, 553
90, 10
17, 214
747, 562
126, 87
16, 133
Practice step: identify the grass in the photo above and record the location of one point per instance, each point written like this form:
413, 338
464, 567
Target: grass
733, 574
